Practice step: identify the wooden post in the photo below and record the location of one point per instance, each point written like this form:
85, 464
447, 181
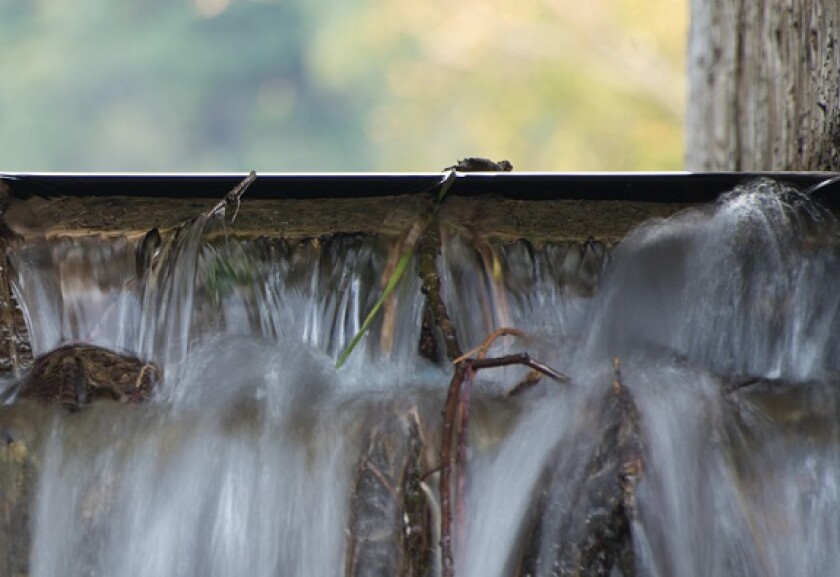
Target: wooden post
764, 85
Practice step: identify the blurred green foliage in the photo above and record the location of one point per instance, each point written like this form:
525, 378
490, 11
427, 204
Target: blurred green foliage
300, 85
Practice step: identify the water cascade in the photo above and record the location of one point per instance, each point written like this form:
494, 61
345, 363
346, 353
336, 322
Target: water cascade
697, 434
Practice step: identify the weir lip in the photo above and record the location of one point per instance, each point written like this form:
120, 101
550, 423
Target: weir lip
534, 206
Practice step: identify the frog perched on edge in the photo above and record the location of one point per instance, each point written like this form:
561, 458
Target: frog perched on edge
74, 375
478, 164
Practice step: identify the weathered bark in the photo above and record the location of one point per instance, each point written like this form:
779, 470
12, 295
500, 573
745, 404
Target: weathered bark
15, 349
593, 538
390, 523
764, 85
429, 249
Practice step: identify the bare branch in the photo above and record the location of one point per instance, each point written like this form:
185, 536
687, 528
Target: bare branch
481, 350
519, 359
232, 198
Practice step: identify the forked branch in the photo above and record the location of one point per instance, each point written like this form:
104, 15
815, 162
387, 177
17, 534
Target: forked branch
455, 425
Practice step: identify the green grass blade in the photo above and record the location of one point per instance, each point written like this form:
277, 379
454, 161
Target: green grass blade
402, 264
445, 185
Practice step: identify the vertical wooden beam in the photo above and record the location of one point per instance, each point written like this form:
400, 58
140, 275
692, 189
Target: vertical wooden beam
764, 85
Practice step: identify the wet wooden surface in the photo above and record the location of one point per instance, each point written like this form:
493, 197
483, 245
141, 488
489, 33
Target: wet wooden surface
493, 216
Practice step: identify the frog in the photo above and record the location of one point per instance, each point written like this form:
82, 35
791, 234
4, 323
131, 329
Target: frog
76, 374
478, 164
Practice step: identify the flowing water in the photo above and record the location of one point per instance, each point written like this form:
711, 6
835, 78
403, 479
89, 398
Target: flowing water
257, 457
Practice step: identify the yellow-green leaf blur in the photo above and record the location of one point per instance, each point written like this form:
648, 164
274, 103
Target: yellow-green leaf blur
355, 85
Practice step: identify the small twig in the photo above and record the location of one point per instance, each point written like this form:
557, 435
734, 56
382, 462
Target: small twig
461, 461
481, 361
449, 413
481, 350
519, 359
434, 508
232, 198
380, 476
429, 246
495, 304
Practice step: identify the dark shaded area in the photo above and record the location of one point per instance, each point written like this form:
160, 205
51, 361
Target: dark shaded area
638, 187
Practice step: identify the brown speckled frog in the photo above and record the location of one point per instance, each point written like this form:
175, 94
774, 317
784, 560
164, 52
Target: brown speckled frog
74, 375
478, 164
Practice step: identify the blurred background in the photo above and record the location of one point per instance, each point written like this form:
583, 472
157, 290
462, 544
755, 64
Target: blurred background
350, 85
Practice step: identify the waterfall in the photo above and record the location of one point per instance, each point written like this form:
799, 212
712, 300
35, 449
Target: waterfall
256, 456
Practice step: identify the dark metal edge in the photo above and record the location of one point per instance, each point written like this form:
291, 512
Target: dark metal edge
670, 187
